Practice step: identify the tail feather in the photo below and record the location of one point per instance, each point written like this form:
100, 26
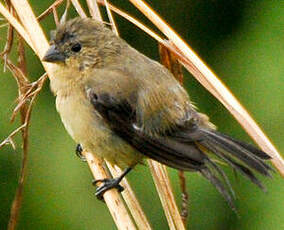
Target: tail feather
237, 151
247, 146
223, 176
237, 166
219, 186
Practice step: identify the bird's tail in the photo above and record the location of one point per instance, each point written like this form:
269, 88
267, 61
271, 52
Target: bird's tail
241, 156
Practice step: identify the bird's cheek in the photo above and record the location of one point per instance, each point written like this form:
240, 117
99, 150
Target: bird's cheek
72, 63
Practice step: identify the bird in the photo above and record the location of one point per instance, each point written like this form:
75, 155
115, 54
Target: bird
124, 107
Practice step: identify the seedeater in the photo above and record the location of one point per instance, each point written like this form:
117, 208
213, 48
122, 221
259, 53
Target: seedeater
123, 107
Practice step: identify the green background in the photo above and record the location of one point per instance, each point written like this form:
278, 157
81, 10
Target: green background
242, 41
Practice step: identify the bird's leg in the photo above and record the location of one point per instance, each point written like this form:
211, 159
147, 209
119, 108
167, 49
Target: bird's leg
109, 183
79, 151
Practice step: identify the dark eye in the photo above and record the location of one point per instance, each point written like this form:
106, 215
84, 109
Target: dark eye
76, 47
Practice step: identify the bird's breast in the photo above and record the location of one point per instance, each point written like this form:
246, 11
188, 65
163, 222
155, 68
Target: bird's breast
79, 117
87, 127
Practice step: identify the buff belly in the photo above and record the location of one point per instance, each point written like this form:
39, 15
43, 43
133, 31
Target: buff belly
86, 127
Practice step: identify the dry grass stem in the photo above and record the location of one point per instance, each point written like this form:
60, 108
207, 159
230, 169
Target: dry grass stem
19, 76
21, 55
49, 9
55, 16
79, 8
8, 46
184, 197
111, 20
17, 202
94, 9
211, 82
14, 22
170, 61
25, 109
9, 140
133, 20
33, 89
131, 201
65, 14
112, 198
163, 186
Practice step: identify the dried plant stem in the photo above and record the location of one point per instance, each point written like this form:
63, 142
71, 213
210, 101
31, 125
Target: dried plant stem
79, 9
55, 16
111, 197
17, 202
8, 45
184, 197
49, 9
211, 82
113, 26
9, 139
131, 201
25, 111
25, 114
94, 9
170, 61
13, 21
32, 89
163, 185
133, 20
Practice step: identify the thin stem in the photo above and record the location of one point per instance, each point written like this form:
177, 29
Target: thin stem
113, 200
49, 9
79, 8
170, 61
25, 112
184, 197
110, 17
94, 9
9, 139
165, 192
131, 201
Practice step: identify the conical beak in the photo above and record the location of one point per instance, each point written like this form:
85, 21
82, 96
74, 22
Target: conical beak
53, 55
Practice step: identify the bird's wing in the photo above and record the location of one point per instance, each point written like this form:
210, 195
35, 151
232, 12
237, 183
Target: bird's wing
121, 118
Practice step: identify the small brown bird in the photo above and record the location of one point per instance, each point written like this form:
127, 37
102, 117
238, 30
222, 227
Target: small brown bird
123, 106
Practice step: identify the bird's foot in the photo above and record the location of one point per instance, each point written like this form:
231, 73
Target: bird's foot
108, 184
79, 151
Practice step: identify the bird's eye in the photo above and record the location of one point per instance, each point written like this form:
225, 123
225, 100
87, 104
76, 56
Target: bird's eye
76, 47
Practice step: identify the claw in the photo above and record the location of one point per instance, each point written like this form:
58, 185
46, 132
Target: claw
109, 183
79, 151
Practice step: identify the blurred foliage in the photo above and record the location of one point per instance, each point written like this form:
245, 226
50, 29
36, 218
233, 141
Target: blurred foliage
242, 41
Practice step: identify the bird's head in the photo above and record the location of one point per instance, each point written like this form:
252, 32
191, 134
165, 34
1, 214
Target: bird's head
82, 43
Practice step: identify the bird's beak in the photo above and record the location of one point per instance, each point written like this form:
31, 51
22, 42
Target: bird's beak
53, 55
